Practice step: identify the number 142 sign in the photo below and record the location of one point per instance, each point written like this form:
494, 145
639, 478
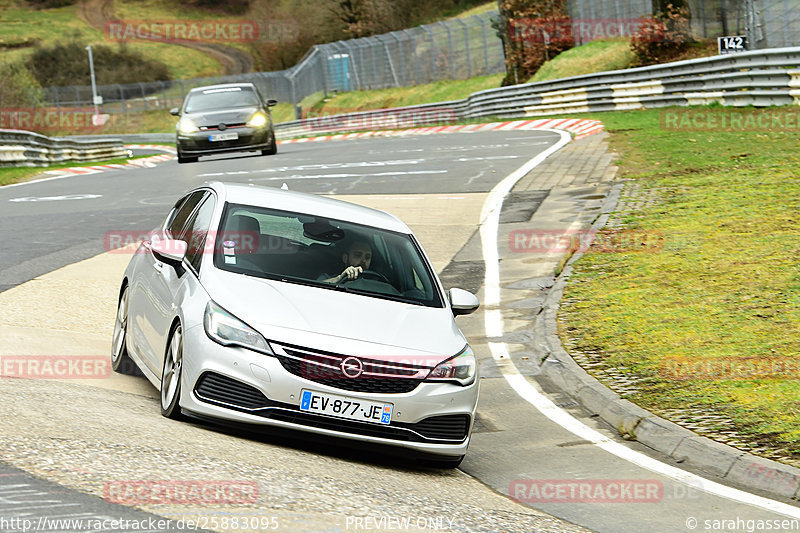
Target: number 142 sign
732, 44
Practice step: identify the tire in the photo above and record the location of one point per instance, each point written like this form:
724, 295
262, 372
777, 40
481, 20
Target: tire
273, 147
182, 159
120, 360
171, 375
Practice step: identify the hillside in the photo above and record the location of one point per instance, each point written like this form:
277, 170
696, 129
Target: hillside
284, 29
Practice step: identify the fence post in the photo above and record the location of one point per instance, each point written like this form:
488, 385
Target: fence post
164, 94
352, 63
485, 44
466, 46
298, 112
416, 58
389, 59
122, 99
401, 48
433, 52
450, 46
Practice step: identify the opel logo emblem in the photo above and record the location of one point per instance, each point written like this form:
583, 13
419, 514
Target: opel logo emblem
352, 367
222, 126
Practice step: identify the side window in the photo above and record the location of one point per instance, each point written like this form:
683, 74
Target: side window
183, 212
196, 231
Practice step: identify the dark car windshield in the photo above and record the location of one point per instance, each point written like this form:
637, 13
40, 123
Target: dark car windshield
313, 250
222, 98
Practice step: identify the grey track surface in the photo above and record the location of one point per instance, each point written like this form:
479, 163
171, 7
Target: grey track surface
513, 440
40, 236
31, 504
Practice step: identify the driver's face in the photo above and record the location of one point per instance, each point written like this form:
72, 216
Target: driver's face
360, 255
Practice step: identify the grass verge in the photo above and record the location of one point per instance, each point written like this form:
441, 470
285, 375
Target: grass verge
20, 174
708, 322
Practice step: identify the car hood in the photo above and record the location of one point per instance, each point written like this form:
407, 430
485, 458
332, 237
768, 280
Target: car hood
336, 321
236, 115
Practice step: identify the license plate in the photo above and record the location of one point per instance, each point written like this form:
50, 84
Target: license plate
223, 136
344, 407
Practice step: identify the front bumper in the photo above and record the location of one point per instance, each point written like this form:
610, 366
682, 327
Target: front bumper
240, 385
199, 143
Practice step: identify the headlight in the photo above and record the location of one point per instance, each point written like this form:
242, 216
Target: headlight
460, 368
226, 329
186, 125
258, 120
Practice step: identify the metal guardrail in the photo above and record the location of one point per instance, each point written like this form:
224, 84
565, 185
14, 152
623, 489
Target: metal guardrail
758, 78
26, 149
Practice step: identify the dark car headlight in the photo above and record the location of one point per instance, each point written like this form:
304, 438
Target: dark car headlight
226, 329
259, 120
461, 368
187, 125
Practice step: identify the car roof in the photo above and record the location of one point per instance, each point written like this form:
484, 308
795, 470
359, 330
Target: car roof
305, 203
223, 86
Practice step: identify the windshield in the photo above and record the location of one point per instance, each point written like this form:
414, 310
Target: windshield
311, 250
212, 99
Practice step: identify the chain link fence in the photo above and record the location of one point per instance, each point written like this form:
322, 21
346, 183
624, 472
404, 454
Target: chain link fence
454, 49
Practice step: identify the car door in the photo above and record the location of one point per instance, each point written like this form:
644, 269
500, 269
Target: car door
151, 300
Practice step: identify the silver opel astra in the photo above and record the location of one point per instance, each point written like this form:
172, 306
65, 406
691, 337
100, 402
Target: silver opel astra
267, 306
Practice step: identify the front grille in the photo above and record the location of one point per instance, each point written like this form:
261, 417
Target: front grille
231, 393
382, 377
216, 388
445, 427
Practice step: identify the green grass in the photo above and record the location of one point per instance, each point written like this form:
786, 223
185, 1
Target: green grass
724, 287
9, 175
477, 10
597, 56
20, 23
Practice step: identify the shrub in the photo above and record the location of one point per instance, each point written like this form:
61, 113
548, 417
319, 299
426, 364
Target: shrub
48, 4
19, 87
68, 64
662, 37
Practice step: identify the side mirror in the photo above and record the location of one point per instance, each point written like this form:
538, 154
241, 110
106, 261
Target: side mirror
271, 102
175, 111
170, 251
462, 302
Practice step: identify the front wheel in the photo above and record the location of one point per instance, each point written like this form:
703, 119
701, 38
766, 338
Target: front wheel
182, 159
171, 376
273, 147
120, 360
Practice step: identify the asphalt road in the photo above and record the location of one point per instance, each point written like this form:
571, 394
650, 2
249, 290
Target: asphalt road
47, 225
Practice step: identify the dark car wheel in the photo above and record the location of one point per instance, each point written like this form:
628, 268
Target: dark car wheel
182, 159
171, 375
273, 147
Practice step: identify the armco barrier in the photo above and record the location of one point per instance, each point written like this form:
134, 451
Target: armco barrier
27, 149
759, 78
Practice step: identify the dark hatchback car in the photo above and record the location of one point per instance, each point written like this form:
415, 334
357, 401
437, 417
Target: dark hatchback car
225, 118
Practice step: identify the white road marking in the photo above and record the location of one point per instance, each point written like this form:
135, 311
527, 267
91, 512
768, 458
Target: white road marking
493, 324
375, 174
55, 198
488, 158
